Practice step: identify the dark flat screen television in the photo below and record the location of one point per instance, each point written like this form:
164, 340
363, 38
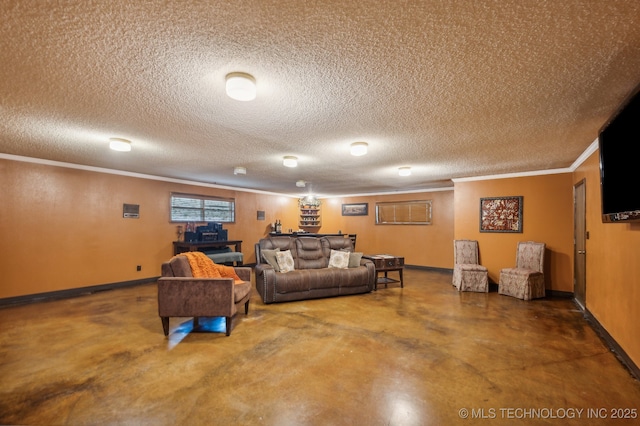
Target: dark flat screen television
618, 141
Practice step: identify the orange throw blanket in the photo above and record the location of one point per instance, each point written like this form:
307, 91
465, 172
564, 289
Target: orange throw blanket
204, 267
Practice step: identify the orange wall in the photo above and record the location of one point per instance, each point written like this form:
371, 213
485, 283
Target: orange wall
421, 245
62, 228
547, 217
613, 267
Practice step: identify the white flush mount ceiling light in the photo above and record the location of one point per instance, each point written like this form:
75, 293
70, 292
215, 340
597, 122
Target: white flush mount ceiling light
239, 170
290, 161
241, 86
359, 148
119, 144
404, 171
301, 184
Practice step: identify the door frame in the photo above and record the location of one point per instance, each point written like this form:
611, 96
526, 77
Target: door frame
580, 235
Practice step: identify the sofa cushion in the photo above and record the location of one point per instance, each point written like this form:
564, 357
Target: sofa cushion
339, 259
335, 242
310, 254
177, 266
285, 261
269, 256
283, 243
354, 259
294, 282
240, 290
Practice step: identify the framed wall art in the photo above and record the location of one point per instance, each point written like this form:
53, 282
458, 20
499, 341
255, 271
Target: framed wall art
501, 214
360, 209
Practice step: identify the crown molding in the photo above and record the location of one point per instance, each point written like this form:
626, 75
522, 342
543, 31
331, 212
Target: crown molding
581, 159
131, 174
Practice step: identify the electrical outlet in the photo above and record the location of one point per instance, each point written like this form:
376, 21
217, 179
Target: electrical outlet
139, 268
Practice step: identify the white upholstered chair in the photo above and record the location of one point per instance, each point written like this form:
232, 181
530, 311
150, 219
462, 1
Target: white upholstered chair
468, 274
526, 280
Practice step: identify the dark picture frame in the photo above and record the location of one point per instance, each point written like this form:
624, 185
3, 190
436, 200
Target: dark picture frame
358, 209
501, 214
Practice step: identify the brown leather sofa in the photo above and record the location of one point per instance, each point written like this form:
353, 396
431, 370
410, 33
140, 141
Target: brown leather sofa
311, 277
182, 295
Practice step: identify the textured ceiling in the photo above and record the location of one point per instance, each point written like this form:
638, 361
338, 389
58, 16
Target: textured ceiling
452, 89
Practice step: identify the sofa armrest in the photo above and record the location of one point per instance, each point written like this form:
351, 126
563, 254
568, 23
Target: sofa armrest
263, 267
266, 282
371, 271
244, 273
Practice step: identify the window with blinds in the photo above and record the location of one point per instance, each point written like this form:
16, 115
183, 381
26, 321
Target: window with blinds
201, 208
404, 213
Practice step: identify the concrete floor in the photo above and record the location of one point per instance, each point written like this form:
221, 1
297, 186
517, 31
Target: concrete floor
421, 355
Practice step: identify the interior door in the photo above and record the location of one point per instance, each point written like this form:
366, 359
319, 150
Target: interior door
580, 236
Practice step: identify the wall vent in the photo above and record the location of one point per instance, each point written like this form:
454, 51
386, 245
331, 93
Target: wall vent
131, 211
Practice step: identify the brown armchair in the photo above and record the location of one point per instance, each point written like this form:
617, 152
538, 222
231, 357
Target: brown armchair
182, 295
526, 280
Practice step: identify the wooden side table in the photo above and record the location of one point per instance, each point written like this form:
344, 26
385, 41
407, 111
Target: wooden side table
386, 263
